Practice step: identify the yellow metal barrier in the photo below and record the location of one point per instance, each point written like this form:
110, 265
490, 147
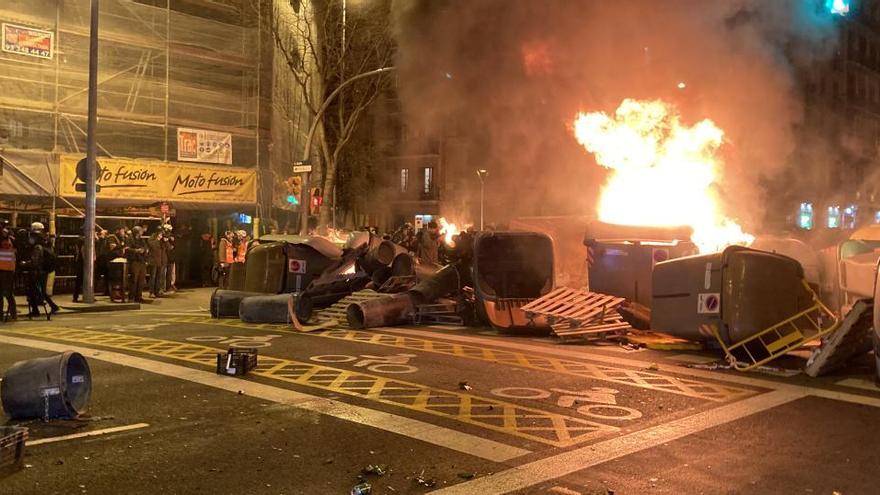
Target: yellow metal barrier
783, 337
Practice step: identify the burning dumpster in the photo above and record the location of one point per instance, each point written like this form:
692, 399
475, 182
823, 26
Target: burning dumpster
622, 258
756, 305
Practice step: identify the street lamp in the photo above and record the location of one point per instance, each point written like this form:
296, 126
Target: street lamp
482, 173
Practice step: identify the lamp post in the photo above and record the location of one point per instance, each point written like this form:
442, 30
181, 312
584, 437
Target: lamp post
482, 173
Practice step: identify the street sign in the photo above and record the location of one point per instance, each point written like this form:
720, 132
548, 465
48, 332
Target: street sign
299, 169
296, 266
709, 303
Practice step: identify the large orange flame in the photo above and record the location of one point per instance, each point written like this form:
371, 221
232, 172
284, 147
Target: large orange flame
662, 171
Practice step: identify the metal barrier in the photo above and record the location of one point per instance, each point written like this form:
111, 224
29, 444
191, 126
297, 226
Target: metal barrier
778, 339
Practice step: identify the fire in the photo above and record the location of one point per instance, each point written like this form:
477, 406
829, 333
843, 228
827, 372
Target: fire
448, 231
662, 171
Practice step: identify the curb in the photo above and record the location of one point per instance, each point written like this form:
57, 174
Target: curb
103, 308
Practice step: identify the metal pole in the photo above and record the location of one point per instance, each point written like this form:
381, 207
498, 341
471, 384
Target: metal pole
482, 173
306, 195
91, 152
481, 204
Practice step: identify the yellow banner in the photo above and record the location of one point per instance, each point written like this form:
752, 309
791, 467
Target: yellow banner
160, 181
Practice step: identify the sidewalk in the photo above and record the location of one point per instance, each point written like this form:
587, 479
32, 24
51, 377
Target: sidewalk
180, 300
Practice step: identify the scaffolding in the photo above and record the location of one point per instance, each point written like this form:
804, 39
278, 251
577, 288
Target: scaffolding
163, 64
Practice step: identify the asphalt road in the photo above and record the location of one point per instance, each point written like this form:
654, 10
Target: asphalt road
442, 409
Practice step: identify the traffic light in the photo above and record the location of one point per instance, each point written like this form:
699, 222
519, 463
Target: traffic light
838, 7
317, 200
294, 190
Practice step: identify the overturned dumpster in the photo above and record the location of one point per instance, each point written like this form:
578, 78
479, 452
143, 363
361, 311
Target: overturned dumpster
754, 305
511, 269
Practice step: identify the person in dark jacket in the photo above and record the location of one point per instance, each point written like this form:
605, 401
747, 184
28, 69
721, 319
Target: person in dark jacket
136, 254
102, 257
428, 244
7, 272
158, 261
170, 258
42, 262
206, 259
78, 267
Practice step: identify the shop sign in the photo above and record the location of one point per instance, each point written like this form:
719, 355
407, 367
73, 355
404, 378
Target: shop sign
199, 145
160, 181
28, 41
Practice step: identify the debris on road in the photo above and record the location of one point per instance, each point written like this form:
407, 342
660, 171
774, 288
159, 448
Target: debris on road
464, 386
467, 476
374, 469
362, 489
237, 361
12, 444
426, 482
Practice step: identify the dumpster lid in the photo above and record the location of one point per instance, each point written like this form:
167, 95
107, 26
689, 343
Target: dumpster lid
607, 232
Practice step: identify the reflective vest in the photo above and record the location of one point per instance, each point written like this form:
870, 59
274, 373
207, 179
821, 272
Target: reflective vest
7, 260
228, 256
242, 251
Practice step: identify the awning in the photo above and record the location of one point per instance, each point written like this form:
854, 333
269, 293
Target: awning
28, 175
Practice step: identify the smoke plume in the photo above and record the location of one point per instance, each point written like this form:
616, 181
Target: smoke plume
506, 78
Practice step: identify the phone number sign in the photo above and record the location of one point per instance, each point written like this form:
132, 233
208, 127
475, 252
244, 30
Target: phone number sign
24, 40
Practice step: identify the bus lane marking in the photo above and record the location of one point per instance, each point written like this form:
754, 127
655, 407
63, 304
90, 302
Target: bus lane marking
527, 423
646, 379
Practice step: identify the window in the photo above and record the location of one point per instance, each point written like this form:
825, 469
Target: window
833, 217
805, 219
849, 217
429, 179
404, 179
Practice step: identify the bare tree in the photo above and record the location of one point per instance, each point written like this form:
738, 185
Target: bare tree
324, 45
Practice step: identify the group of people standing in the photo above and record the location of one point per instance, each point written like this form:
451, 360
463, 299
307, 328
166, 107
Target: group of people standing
140, 252
28, 253
232, 248
152, 261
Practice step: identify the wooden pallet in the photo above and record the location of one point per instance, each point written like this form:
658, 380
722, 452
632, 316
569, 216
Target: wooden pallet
572, 312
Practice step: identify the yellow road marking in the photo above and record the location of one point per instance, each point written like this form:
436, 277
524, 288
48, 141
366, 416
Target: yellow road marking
635, 378
524, 422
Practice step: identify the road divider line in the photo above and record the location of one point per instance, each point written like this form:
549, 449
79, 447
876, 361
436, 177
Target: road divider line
532, 424
632, 377
93, 433
401, 425
556, 466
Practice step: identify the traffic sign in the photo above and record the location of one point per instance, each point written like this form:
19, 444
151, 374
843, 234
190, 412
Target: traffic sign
296, 266
299, 169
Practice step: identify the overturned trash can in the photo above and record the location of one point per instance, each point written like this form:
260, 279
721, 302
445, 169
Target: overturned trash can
266, 308
510, 270
755, 305
225, 303
48, 388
